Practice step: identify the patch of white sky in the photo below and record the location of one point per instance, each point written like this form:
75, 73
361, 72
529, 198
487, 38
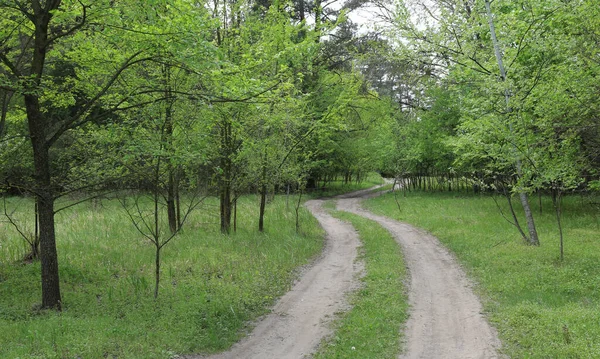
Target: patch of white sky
382, 15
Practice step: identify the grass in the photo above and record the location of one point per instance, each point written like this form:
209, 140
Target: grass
212, 285
542, 307
371, 328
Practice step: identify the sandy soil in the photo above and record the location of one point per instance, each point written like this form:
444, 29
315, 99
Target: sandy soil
300, 319
445, 321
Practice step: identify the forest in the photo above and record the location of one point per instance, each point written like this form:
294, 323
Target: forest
129, 129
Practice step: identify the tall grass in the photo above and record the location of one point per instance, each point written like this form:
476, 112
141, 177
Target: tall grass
212, 285
542, 307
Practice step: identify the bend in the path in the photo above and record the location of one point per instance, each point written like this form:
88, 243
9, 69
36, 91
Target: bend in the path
446, 320
299, 320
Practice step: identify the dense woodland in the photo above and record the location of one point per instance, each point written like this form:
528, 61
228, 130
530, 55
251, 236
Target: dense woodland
181, 100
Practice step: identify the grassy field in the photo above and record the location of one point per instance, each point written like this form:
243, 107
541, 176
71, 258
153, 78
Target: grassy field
212, 284
542, 307
371, 329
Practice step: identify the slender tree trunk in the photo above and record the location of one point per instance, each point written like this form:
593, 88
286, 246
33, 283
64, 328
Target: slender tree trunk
235, 214
298, 211
168, 139
156, 270
225, 176
171, 208
533, 235
263, 195
177, 200
556, 200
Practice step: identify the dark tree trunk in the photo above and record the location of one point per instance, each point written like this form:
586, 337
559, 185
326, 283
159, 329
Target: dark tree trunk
45, 200
225, 176
171, 208
263, 195
225, 206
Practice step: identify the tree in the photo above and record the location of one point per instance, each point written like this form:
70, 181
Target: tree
64, 60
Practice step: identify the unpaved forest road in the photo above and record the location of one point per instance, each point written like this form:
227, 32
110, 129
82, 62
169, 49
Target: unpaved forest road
300, 319
445, 320
445, 316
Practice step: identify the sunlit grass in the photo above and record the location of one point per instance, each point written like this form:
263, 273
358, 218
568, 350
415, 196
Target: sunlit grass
542, 307
212, 285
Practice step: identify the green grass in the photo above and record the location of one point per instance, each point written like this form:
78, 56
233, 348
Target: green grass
212, 285
371, 329
542, 308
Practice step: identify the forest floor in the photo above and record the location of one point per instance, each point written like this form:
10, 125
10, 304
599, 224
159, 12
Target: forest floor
446, 319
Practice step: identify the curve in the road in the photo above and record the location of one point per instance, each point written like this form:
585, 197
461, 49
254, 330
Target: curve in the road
300, 319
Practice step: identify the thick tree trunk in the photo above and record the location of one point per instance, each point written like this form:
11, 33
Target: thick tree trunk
38, 128
45, 201
533, 235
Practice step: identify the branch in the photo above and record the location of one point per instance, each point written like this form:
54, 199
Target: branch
14, 224
73, 28
76, 119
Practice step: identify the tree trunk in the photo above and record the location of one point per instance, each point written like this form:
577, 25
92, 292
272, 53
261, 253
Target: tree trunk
235, 215
168, 139
225, 206
556, 200
156, 270
225, 176
533, 236
171, 209
263, 195
45, 200
177, 201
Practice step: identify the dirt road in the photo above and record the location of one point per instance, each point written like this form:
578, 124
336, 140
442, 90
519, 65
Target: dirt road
445, 321
299, 320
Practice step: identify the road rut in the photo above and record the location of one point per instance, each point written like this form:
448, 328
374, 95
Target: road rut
446, 319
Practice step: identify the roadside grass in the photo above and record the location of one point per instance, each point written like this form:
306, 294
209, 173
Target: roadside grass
338, 187
371, 329
212, 285
542, 307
